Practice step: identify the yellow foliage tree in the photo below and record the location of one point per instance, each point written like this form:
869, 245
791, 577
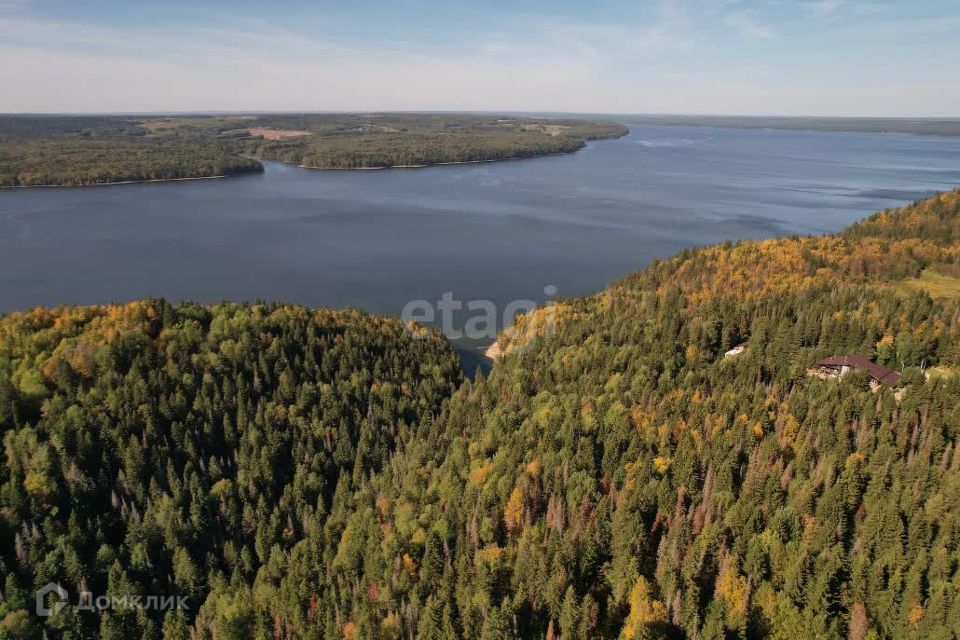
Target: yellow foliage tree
917, 611
733, 590
391, 628
409, 565
662, 464
513, 512
646, 613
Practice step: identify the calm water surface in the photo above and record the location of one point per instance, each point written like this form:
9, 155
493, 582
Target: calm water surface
378, 239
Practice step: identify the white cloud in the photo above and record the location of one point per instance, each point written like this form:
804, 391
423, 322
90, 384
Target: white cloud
64, 67
721, 6
601, 39
744, 22
824, 8
924, 26
543, 65
186, 42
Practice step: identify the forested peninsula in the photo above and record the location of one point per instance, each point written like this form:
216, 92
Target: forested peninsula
87, 150
660, 464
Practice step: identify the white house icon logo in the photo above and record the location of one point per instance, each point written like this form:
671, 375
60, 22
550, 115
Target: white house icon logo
42, 609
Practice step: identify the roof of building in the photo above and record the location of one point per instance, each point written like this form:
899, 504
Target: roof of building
878, 372
737, 350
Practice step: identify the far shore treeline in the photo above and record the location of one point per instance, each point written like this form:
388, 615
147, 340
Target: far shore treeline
86, 150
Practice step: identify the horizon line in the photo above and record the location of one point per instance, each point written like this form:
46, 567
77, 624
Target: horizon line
214, 112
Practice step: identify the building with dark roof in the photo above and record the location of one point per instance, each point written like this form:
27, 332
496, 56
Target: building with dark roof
838, 366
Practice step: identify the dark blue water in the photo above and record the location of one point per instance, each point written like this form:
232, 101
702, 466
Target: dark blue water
378, 239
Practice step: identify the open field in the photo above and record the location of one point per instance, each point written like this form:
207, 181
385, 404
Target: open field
275, 134
940, 287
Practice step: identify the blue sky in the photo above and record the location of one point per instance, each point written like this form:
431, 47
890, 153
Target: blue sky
788, 57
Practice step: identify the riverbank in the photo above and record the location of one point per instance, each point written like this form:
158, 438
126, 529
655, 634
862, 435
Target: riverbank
440, 164
127, 182
302, 166
68, 151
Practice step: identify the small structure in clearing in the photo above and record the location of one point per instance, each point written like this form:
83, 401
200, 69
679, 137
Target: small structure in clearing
839, 366
737, 350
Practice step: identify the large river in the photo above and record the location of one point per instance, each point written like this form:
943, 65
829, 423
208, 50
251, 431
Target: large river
501, 231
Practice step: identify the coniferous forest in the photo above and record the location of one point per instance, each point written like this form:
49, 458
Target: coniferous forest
303, 473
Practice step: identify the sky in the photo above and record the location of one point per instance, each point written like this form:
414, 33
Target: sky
764, 57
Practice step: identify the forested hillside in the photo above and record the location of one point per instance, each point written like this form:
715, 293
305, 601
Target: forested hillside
623, 478
304, 474
158, 449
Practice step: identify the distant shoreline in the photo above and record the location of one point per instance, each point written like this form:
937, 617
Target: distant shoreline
938, 127
78, 151
436, 164
127, 182
300, 166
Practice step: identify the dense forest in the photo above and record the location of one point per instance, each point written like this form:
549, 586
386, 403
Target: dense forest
79, 150
412, 140
312, 474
